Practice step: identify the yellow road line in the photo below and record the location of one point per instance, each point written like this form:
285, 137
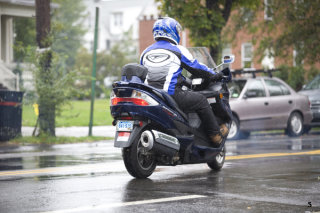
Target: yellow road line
35, 171
265, 155
68, 169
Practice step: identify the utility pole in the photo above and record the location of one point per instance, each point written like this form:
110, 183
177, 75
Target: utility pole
46, 111
94, 60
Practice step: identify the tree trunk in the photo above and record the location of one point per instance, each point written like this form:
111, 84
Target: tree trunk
215, 52
213, 5
46, 110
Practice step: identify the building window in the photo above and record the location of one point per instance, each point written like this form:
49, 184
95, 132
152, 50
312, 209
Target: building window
227, 50
246, 55
117, 19
268, 10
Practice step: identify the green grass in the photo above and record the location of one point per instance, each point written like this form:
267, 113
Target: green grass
77, 113
55, 140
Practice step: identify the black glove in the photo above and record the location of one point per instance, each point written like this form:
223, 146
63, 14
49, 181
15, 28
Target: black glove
226, 71
218, 76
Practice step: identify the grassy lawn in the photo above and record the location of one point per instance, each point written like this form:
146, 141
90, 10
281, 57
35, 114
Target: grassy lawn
56, 140
77, 113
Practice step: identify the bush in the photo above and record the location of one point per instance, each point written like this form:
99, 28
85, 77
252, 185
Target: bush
297, 76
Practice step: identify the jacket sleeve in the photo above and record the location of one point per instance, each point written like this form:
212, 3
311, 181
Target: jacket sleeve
193, 66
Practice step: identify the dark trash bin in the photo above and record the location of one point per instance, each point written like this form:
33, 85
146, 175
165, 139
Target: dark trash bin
10, 114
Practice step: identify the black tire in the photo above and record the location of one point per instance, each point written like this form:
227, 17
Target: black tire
217, 163
234, 131
295, 125
307, 129
244, 134
139, 162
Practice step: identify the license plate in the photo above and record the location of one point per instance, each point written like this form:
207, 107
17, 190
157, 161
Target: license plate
126, 126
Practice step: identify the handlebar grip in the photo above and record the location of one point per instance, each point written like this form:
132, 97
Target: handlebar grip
217, 76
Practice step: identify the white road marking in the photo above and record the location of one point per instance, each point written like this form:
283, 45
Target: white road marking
133, 203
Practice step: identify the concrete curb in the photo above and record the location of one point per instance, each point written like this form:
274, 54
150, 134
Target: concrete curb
76, 131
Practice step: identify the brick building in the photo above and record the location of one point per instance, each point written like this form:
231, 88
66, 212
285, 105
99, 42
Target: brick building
146, 37
242, 47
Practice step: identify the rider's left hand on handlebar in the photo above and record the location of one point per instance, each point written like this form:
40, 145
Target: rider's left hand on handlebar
217, 76
226, 71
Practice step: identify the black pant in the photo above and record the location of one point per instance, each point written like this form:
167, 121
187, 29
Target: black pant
192, 101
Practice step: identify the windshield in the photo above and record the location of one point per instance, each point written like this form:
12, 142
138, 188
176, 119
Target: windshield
202, 55
235, 88
314, 84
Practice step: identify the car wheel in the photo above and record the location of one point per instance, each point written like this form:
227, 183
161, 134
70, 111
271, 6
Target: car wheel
306, 129
234, 131
295, 125
244, 134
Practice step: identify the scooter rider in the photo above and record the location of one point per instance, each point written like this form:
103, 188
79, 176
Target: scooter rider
165, 60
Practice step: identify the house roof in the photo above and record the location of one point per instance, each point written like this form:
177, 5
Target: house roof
30, 3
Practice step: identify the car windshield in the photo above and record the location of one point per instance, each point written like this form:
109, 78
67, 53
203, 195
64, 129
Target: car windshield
314, 84
235, 87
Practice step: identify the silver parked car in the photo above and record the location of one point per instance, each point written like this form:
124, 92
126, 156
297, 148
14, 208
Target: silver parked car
266, 103
312, 90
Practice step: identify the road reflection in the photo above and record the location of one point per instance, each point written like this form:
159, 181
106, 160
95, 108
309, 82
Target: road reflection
272, 143
44, 156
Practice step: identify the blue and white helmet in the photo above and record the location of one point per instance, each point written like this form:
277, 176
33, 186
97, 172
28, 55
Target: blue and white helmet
167, 28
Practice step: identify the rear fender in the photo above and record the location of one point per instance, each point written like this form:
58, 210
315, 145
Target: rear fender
125, 139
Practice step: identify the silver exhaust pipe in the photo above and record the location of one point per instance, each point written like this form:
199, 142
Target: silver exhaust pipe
160, 142
147, 140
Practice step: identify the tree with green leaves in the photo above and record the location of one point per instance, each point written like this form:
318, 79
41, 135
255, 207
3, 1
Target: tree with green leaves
109, 63
25, 31
291, 33
67, 20
43, 27
291, 25
204, 18
68, 29
58, 40
298, 27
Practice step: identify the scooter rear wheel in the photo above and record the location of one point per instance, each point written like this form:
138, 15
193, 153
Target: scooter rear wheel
139, 162
217, 163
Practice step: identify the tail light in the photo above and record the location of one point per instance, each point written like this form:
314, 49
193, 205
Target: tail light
137, 98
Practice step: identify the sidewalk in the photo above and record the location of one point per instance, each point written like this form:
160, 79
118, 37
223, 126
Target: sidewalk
76, 131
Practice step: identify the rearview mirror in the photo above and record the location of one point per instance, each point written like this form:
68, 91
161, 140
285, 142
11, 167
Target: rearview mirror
228, 59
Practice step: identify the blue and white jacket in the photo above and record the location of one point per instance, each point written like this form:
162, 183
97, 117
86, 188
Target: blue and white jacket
165, 62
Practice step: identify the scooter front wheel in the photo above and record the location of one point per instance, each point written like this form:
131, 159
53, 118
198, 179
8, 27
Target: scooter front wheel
217, 163
139, 162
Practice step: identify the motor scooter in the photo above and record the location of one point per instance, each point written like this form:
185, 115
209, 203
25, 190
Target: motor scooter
152, 130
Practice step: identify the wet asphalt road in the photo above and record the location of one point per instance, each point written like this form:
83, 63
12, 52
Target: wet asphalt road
267, 173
